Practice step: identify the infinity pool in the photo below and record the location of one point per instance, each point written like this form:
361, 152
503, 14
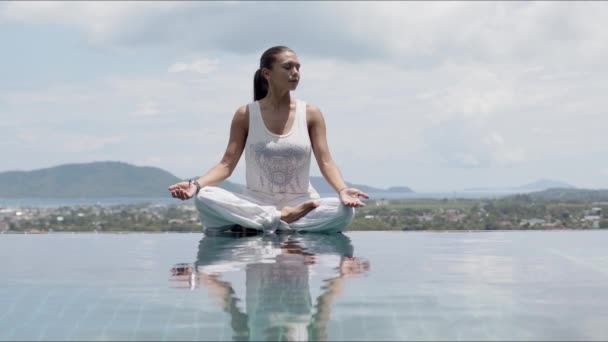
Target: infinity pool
355, 286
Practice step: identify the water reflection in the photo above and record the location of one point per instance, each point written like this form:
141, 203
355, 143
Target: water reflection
278, 269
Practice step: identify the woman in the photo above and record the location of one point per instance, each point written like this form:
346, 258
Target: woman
277, 133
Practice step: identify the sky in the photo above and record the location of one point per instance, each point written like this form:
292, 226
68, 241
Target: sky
437, 96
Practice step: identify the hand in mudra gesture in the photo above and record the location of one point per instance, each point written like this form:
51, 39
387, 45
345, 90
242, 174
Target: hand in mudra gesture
350, 197
183, 190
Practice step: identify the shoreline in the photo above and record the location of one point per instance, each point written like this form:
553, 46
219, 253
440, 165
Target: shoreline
344, 232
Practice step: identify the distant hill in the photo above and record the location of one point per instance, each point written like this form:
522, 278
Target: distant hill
117, 179
90, 180
544, 184
539, 185
321, 185
569, 194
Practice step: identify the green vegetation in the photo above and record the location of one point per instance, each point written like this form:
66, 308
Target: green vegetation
570, 195
510, 213
134, 218
514, 212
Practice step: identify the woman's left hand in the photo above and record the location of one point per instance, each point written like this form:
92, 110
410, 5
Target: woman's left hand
350, 197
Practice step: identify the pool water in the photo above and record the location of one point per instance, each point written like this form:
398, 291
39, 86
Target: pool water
520, 285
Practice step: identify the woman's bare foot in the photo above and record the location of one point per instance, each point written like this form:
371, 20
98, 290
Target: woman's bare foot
290, 214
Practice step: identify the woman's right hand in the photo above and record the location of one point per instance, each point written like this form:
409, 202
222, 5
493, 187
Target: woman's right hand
350, 197
182, 190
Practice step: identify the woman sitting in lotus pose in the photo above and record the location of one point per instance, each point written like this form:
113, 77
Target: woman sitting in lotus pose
277, 133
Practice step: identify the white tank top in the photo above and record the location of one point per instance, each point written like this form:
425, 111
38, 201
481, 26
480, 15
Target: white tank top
278, 163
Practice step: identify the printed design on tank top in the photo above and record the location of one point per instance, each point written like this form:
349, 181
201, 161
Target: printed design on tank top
279, 165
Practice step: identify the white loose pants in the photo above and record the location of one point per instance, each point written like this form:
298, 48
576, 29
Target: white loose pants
220, 210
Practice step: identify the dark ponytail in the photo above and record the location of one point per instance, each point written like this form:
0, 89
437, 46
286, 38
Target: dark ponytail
260, 84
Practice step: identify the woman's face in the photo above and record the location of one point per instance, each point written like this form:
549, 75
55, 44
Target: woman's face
285, 73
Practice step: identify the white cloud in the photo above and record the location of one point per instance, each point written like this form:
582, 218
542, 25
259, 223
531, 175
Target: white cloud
379, 113
472, 144
412, 34
503, 154
100, 20
66, 142
79, 143
494, 139
150, 160
467, 160
147, 109
509, 156
201, 66
477, 86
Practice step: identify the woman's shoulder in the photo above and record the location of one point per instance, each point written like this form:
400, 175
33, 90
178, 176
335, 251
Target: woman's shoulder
312, 111
242, 115
243, 110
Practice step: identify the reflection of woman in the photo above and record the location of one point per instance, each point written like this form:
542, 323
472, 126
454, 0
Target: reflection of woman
277, 270
277, 133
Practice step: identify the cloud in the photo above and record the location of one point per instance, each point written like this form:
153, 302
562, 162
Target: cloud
411, 34
149, 160
465, 159
459, 116
468, 144
147, 109
201, 66
79, 143
67, 142
406, 86
502, 154
102, 22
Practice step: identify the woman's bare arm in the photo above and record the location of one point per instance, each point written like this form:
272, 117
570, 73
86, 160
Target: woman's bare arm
318, 137
236, 144
234, 150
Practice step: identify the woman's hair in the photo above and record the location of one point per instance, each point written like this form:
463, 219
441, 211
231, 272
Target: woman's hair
260, 84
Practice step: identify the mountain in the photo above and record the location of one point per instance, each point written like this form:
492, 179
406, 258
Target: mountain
539, 185
90, 180
321, 185
544, 184
117, 179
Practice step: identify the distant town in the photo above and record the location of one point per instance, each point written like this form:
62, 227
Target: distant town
552, 205
511, 213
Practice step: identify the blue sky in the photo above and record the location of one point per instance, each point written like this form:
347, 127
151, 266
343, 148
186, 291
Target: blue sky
438, 96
